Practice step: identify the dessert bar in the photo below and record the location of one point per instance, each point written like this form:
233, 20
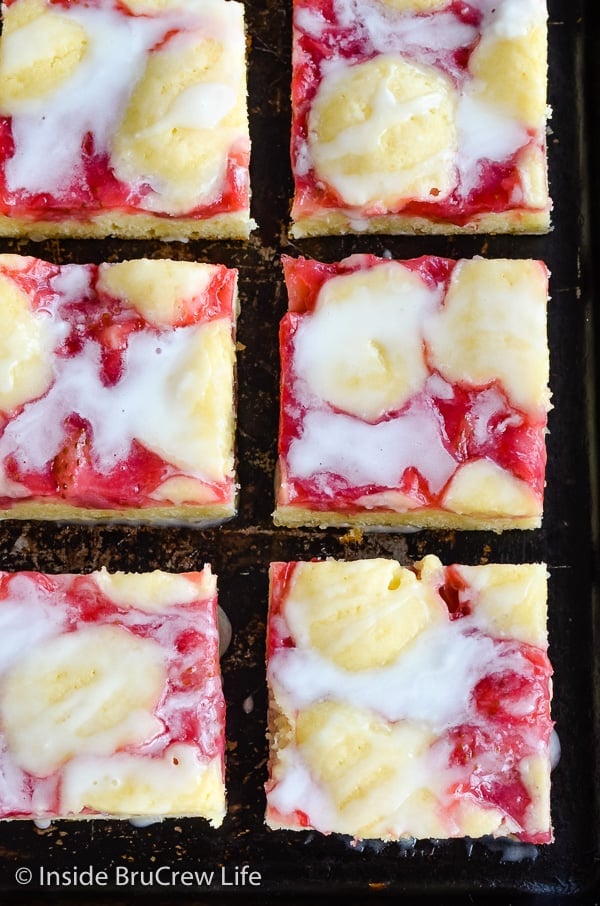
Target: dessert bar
413, 393
117, 390
110, 696
420, 116
124, 118
409, 702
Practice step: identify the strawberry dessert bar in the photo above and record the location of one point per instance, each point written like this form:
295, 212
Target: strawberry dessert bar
409, 702
110, 696
124, 118
117, 390
419, 116
413, 393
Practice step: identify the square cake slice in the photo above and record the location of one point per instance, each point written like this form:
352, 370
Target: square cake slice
413, 393
110, 696
419, 116
409, 702
125, 118
117, 391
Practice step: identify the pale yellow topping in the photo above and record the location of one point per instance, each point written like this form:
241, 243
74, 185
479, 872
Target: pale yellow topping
201, 388
160, 290
39, 50
177, 784
184, 116
414, 6
182, 490
360, 350
22, 13
361, 614
493, 328
532, 168
383, 131
92, 691
365, 764
482, 487
156, 591
25, 348
535, 774
510, 600
422, 813
474, 819
510, 74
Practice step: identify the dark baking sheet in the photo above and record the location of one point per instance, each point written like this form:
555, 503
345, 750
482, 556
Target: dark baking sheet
295, 865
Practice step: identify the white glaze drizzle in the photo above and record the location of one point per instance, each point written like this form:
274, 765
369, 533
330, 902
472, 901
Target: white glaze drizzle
431, 682
140, 405
363, 454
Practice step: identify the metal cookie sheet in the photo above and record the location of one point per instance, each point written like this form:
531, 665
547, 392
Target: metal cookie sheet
113, 861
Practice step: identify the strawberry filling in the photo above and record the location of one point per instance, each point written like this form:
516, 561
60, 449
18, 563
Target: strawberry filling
96, 189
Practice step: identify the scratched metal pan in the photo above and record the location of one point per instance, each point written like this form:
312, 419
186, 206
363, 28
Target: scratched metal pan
295, 866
